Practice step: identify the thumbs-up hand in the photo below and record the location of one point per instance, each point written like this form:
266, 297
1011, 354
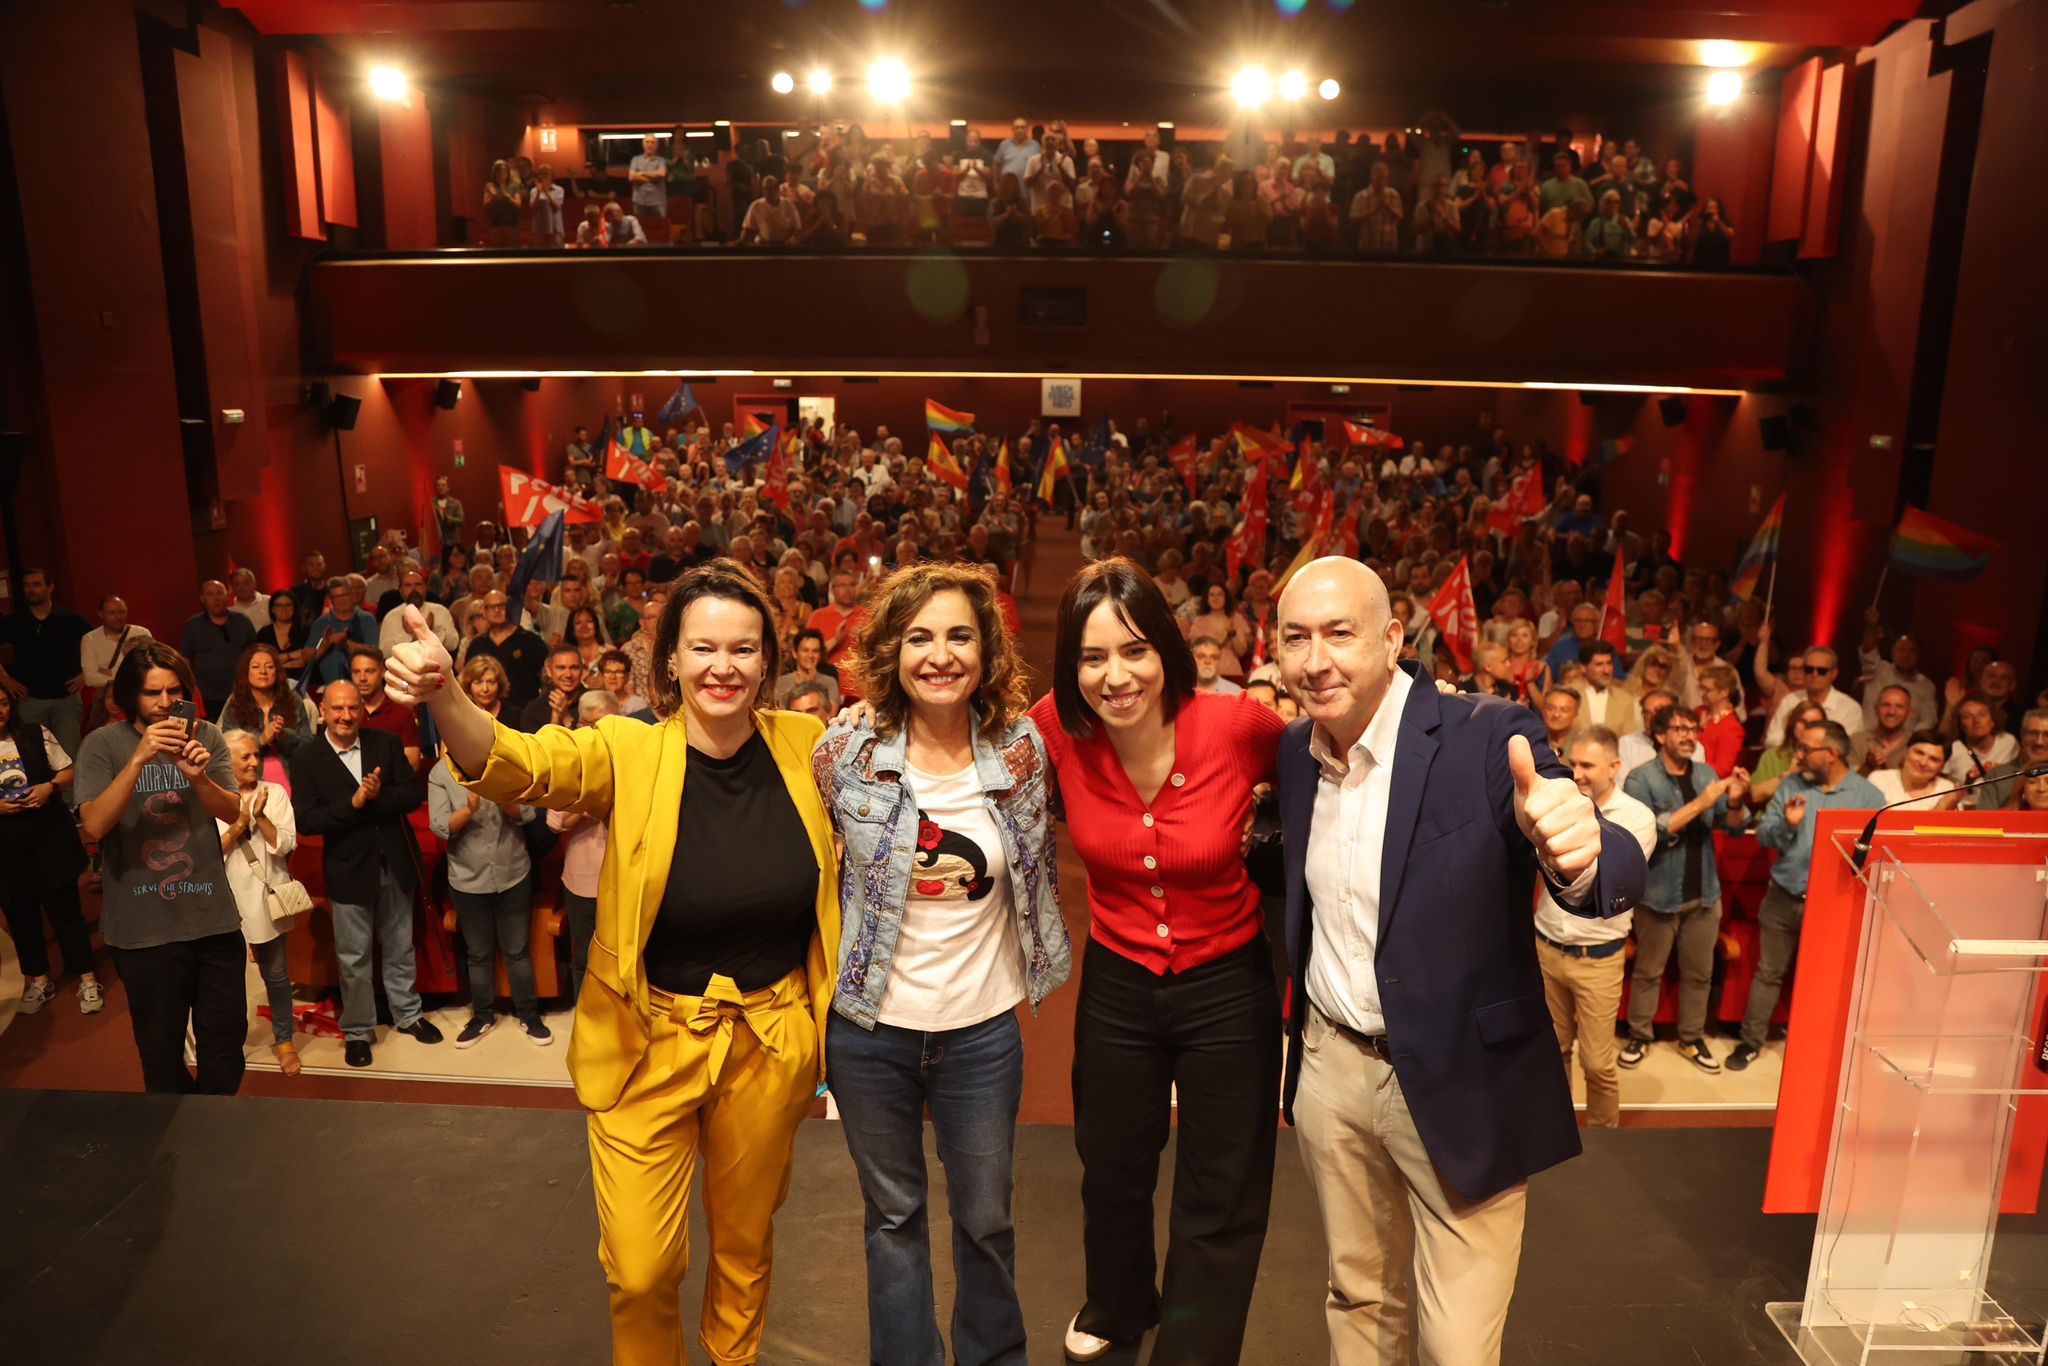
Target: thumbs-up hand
420, 665
1555, 816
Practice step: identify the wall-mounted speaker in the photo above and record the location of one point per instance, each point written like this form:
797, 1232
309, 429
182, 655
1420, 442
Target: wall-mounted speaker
1775, 432
341, 412
1588, 397
531, 385
447, 393
1672, 410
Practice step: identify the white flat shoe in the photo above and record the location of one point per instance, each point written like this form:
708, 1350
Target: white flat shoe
1082, 1346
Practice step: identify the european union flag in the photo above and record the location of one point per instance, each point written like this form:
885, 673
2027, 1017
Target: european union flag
759, 446
1096, 451
542, 559
680, 402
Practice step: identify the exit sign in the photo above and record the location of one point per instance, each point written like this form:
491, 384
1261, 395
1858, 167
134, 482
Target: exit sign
1880, 443
547, 139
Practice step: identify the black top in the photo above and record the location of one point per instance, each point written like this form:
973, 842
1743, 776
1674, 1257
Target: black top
523, 654
45, 649
742, 895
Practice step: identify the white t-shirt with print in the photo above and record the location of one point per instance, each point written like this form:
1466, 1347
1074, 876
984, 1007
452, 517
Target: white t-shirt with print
958, 959
14, 776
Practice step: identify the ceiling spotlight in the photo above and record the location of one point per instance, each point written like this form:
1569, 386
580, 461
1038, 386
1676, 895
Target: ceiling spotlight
1724, 87
782, 82
819, 81
889, 81
389, 83
1329, 89
1721, 52
1251, 87
1293, 86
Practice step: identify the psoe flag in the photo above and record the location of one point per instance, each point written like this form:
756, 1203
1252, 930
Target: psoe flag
940, 418
1926, 544
528, 501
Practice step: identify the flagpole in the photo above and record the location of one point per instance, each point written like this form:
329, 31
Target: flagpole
1771, 591
1880, 584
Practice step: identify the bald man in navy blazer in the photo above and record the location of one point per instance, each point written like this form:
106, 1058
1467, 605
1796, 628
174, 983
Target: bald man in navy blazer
1422, 1074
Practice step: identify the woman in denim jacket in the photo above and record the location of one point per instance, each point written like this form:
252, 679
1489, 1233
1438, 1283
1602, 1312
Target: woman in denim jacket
951, 917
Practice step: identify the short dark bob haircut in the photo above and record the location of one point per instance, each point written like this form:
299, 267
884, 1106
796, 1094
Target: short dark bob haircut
719, 578
135, 667
1142, 608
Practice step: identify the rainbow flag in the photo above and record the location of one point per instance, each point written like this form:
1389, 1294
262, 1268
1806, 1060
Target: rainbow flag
943, 467
940, 418
753, 424
1615, 447
1925, 544
1762, 552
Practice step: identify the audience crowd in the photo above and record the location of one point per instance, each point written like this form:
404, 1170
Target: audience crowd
1427, 190
1679, 696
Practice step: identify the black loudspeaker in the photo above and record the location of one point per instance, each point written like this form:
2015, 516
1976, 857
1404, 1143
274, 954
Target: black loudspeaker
1776, 433
447, 392
1588, 397
341, 412
1672, 410
531, 386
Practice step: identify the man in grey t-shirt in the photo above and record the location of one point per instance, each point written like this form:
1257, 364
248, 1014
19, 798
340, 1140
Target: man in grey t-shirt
649, 175
149, 790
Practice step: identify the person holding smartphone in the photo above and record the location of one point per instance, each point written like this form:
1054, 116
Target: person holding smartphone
150, 792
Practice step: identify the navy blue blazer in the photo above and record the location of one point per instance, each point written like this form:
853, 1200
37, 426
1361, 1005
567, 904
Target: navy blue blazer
1456, 954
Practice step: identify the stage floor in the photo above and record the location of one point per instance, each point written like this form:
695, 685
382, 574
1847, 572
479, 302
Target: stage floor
148, 1229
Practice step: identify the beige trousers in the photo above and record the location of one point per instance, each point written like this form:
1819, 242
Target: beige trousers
1417, 1272
1584, 995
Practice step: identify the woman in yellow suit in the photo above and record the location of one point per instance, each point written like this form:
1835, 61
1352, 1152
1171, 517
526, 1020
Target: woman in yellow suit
697, 1033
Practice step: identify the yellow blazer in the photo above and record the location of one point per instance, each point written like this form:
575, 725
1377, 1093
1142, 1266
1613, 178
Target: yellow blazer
630, 775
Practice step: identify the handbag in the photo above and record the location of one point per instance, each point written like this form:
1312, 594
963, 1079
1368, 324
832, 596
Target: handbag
287, 900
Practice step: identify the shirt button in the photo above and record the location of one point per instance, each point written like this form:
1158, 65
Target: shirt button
1158, 890
1148, 820
1180, 780
863, 808
1151, 862
1163, 932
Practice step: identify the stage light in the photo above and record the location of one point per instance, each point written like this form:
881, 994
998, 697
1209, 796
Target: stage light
819, 81
1724, 87
1329, 89
889, 81
1293, 86
388, 83
1721, 52
1251, 87
782, 82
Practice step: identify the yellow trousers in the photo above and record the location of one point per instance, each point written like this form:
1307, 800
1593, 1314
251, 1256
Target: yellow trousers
727, 1078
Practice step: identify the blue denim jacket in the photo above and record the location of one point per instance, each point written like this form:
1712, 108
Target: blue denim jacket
861, 776
1653, 786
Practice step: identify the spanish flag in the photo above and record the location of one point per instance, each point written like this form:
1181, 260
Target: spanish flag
1926, 544
943, 467
940, 418
1258, 445
1003, 468
1055, 467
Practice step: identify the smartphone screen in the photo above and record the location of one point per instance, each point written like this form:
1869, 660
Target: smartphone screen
188, 712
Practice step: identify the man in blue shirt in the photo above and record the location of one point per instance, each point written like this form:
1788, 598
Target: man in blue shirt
1681, 903
1571, 647
332, 632
1823, 783
1013, 155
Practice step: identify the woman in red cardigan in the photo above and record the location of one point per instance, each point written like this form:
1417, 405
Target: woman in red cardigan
1721, 736
1177, 990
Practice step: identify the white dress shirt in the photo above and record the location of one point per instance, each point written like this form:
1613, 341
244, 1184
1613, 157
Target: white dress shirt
391, 633
1637, 749
1346, 840
1841, 708
96, 658
1559, 925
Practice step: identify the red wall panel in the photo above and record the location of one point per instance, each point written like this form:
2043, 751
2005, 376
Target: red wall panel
1798, 109
298, 148
331, 112
1733, 151
405, 138
1823, 213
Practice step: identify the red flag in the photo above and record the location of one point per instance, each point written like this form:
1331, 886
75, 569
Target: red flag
1182, 454
1457, 616
1248, 542
1257, 445
1320, 535
528, 501
1358, 434
775, 482
1347, 532
1614, 612
621, 466
1523, 500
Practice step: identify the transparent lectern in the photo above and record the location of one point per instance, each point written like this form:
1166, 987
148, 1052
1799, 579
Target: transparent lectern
1940, 1048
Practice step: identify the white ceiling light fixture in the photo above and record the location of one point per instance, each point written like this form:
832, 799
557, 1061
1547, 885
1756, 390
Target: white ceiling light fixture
1721, 52
819, 82
889, 81
1329, 89
1724, 87
389, 84
1251, 87
782, 82
1293, 86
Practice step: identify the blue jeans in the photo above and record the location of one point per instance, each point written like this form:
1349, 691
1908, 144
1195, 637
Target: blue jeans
493, 923
390, 921
973, 1080
277, 985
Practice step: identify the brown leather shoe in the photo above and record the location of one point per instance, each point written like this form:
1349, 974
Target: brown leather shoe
287, 1058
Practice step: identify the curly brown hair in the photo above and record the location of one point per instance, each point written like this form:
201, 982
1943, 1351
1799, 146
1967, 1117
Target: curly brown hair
874, 663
